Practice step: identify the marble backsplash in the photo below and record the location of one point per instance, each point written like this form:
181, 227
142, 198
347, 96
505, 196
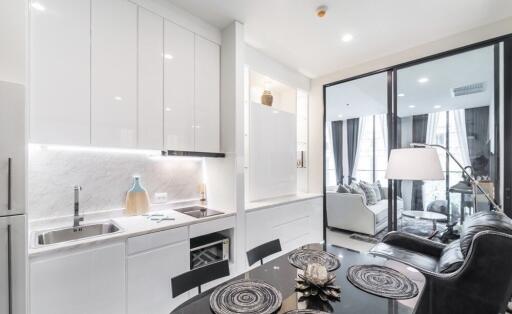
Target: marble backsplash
105, 177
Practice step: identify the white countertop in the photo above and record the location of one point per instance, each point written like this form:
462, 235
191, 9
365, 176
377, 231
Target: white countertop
130, 226
251, 206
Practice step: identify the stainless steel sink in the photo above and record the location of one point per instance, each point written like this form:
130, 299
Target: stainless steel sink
74, 233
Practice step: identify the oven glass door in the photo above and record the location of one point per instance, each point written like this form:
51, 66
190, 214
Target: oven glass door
206, 255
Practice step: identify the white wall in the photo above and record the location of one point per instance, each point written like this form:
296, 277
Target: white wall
316, 93
12, 41
263, 64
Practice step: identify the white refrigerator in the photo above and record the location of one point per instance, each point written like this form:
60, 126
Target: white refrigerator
13, 224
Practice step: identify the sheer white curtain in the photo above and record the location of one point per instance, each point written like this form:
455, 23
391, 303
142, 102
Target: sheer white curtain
330, 171
432, 123
365, 124
345, 153
436, 129
459, 116
382, 122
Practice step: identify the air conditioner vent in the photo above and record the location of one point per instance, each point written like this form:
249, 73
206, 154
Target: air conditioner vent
468, 89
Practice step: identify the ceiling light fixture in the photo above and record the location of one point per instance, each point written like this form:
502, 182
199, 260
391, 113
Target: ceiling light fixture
412, 106
38, 6
437, 106
423, 80
168, 56
347, 37
401, 95
321, 11
340, 116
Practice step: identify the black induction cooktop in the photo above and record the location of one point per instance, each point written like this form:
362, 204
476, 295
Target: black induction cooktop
198, 211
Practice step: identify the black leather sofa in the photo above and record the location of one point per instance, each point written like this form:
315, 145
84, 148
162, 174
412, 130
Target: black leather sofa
470, 275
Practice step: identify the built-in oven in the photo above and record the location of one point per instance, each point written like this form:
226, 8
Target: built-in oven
207, 249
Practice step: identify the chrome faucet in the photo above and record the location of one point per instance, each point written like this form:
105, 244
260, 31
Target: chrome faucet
77, 218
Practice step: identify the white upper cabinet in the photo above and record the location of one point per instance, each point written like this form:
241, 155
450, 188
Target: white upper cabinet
114, 73
12, 149
60, 72
178, 88
207, 95
109, 73
151, 80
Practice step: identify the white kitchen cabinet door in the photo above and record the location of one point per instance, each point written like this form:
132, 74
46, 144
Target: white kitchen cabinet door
114, 73
207, 95
12, 148
88, 281
149, 278
178, 88
13, 260
151, 80
60, 72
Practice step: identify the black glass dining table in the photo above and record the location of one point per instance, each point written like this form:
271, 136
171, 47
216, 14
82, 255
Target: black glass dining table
281, 274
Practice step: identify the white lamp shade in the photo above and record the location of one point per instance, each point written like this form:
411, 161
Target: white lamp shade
414, 164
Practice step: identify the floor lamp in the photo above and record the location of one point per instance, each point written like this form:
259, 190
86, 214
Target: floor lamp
421, 162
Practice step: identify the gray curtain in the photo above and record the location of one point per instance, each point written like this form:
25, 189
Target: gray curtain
419, 135
352, 136
337, 146
477, 130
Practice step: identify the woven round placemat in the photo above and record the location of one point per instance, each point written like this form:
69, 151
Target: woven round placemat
246, 296
305, 312
382, 281
300, 258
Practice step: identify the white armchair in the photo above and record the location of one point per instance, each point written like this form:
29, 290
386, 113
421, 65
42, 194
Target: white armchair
348, 212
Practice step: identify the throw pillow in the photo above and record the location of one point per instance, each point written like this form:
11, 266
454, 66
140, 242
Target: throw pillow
383, 191
371, 196
376, 188
356, 189
342, 188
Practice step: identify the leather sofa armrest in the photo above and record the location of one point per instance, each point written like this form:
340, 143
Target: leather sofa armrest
414, 243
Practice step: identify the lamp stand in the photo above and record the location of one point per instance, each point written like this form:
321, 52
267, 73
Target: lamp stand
470, 176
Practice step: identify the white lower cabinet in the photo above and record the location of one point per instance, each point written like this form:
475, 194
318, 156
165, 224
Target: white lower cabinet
294, 224
149, 279
90, 281
153, 259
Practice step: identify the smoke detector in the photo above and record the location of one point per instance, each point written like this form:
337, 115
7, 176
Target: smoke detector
321, 11
468, 89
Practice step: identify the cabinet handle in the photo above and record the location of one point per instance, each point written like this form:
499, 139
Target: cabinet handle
9, 268
9, 188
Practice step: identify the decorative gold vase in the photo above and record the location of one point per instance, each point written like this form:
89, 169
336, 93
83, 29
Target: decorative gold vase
267, 98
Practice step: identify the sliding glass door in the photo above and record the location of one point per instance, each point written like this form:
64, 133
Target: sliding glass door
456, 101
356, 155
449, 102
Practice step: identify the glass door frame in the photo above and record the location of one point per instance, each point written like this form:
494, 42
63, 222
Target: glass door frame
503, 169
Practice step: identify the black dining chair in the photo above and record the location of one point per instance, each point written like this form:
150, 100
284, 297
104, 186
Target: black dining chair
262, 251
199, 276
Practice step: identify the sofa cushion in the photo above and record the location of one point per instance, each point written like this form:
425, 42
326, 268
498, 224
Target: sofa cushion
418, 260
451, 258
342, 188
380, 210
483, 221
371, 196
356, 189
